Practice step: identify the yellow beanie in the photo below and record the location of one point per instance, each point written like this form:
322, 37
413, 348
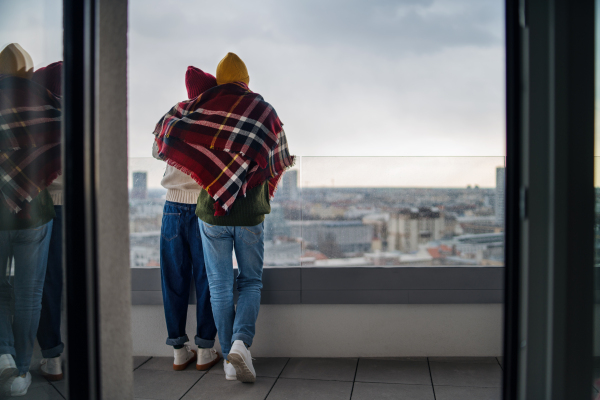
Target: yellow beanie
232, 69
16, 61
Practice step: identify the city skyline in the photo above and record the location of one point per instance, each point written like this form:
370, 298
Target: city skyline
427, 172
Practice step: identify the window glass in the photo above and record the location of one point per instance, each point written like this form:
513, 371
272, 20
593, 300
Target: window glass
362, 88
32, 316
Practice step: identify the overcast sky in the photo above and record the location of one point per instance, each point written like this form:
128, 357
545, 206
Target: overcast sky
347, 77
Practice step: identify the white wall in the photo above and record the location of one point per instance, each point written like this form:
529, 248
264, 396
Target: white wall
401, 330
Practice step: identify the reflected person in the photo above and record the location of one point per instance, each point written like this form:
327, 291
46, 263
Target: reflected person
181, 256
48, 334
232, 143
29, 162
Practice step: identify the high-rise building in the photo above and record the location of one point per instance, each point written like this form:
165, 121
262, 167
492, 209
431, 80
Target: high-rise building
411, 227
499, 204
140, 186
288, 189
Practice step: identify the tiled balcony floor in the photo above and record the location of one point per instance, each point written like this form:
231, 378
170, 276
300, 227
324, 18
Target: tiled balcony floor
313, 378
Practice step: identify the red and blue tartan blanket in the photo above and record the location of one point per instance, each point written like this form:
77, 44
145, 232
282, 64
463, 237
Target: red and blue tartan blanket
228, 139
30, 120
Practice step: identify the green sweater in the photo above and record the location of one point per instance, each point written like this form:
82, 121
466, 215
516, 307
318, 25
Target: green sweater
41, 212
246, 211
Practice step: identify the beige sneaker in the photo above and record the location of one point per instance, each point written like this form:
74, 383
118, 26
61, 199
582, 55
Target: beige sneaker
206, 359
51, 369
17, 385
230, 374
8, 368
183, 357
241, 359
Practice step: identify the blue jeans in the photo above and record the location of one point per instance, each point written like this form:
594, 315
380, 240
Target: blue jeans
48, 333
181, 259
21, 295
248, 243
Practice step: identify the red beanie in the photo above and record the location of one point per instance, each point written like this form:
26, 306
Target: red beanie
198, 81
50, 77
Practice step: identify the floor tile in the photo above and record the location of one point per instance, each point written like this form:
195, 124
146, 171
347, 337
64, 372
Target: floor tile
41, 392
467, 393
293, 389
164, 385
393, 370
37, 379
466, 374
61, 386
391, 391
165, 364
329, 369
481, 360
139, 360
217, 387
264, 366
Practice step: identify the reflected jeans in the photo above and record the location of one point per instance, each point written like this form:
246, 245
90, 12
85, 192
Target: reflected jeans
181, 259
48, 333
21, 295
248, 242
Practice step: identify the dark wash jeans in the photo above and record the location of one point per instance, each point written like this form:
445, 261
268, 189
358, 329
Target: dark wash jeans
48, 334
181, 260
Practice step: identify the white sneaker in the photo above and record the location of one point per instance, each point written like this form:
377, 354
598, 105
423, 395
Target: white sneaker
229, 371
239, 356
51, 368
17, 385
8, 368
183, 358
206, 359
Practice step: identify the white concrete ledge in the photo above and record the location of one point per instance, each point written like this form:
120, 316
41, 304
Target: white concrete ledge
343, 330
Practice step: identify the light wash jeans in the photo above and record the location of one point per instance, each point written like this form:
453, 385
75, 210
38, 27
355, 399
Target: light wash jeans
19, 320
248, 243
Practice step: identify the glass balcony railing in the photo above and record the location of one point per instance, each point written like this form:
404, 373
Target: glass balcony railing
358, 212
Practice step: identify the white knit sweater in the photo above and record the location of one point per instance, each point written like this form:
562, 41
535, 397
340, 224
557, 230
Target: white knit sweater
181, 188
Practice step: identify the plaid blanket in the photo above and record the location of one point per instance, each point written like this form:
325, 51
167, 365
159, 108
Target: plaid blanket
30, 119
228, 139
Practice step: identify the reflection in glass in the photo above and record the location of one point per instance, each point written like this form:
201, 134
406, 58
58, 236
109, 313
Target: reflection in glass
30, 213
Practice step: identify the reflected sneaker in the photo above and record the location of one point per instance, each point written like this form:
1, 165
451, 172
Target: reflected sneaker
17, 385
51, 368
206, 359
8, 368
239, 356
183, 357
229, 371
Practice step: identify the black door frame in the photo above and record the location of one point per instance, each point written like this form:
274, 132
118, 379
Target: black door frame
79, 229
550, 199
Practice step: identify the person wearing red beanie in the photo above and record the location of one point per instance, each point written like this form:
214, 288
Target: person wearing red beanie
182, 257
48, 333
50, 77
198, 81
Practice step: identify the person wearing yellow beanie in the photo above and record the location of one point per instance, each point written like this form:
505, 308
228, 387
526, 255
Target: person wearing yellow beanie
232, 69
14, 60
